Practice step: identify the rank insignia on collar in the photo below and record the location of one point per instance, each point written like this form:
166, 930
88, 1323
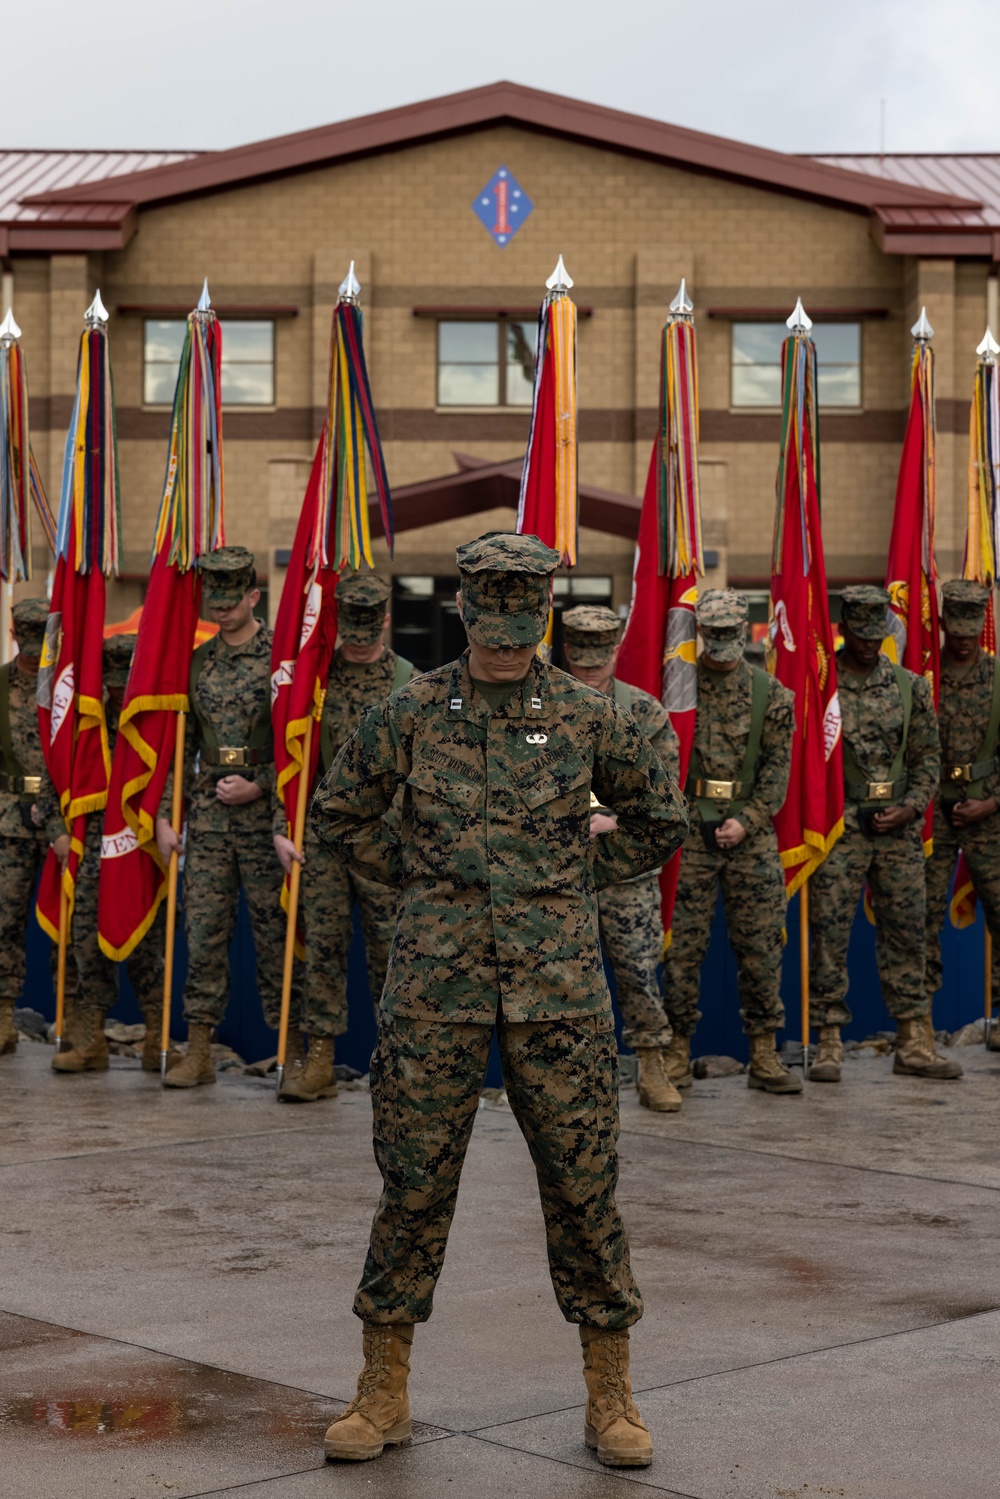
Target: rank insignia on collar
537, 738
456, 704
536, 702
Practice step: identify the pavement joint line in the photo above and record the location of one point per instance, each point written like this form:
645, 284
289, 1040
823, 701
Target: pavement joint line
807, 1160
252, 1483
601, 1470
83, 1155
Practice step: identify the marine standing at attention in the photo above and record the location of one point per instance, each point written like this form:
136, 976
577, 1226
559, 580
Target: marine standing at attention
498, 754
630, 912
737, 780
363, 671
229, 817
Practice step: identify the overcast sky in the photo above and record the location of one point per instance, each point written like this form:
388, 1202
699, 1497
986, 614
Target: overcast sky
797, 75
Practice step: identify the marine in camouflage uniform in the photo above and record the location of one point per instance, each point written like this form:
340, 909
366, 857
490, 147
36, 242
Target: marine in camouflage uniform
497, 754
734, 789
98, 975
363, 672
891, 771
229, 768
630, 912
24, 842
965, 807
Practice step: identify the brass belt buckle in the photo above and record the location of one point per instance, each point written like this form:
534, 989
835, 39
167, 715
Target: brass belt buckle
31, 785
959, 772
228, 756
880, 791
718, 791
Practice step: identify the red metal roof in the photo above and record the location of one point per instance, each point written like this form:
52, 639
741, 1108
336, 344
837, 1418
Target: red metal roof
965, 175
25, 173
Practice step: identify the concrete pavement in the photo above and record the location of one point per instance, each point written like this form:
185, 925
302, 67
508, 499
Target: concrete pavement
820, 1276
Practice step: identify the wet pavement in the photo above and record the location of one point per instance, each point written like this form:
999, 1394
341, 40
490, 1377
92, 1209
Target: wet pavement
820, 1277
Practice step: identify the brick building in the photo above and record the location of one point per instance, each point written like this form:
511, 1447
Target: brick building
454, 212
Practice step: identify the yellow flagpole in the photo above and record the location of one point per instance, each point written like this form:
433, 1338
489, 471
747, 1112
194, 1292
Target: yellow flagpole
294, 880
804, 972
61, 968
176, 812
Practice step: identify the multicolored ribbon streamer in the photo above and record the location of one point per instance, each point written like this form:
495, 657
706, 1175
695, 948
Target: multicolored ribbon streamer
799, 443
89, 531
982, 541
678, 490
19, 476
548, 505
190, 522
342, 533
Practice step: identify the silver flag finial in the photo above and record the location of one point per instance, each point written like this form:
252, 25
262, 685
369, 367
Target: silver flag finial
560, 280
989, 348
9, 331
682, 305
800, 321
350, 288
922, 330
204, 301
96, 314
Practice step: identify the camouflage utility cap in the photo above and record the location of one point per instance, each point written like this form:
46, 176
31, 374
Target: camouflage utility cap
963, 607
505, 588
864, 609
721, 615
29, 617
590, 634
361, 601
118, 653
229, 574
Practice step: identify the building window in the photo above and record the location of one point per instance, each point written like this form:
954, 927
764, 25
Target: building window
247, 362
486, 364
756, 363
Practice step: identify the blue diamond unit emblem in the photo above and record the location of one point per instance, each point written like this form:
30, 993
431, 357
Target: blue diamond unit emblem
502, 206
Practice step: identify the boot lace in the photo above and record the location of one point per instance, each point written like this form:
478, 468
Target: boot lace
376, 1370
613, 1381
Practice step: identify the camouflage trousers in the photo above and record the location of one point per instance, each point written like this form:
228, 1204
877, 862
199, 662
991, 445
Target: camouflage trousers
632, 933
216, 866
753, 893
98, 975
893, 866
21, 861
982, 851
328, 896
561, 1078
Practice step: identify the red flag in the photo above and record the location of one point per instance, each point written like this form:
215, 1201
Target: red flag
305, 632
801, 651
659, 652
189, 525
71, 674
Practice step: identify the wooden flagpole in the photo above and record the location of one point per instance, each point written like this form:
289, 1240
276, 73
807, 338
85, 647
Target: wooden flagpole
294, 880
176, 822
61, 968
804, 972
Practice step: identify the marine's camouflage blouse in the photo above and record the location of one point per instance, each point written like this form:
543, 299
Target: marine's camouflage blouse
27, 746
964, 715
352, 688
496, 870
722, 728
654, 721
872, 717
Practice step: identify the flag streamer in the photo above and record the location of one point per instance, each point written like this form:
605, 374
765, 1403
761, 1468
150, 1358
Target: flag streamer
548, 504
190, 521
982, 538
20, 481
678, 491
341, 530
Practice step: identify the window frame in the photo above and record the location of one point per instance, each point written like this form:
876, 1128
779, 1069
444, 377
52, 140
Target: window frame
501, 321
739, 407
271, 405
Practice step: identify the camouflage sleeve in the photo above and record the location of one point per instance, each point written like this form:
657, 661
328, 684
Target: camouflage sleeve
348, 810
923, 750
47, 813
775, 764
664, 740
630, 779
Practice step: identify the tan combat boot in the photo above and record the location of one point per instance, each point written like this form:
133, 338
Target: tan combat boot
828, 1057
612, 1424
765, 1069
313, 1080
992, 1034
652, 1080
916, 1055
678, 1059
8, 1030
153, 1017
197, 1067
379, 1414
89, 1052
